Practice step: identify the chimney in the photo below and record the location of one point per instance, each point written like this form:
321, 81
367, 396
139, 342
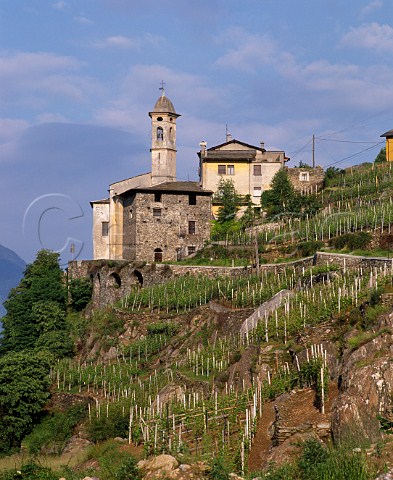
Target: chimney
203, 146
262, 144
228, 136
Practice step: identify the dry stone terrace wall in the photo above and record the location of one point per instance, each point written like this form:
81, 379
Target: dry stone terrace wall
112, 280
352, 261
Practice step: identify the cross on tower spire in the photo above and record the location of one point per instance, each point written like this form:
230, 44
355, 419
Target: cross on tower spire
162, 88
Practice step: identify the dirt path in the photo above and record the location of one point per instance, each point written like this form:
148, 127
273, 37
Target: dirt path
296, 412
262, 441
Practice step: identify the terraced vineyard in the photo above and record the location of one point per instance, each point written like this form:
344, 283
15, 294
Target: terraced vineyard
192, 402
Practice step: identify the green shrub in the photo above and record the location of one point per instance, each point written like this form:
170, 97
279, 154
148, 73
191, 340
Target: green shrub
219, 469
106, 323
114, 462
29, 471
352, 241
287, 471
77, 324
128, 470
162, 328
375, 296
309, 248
53, 432
106, 427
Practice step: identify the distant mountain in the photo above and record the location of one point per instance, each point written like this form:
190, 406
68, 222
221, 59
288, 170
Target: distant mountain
11, 271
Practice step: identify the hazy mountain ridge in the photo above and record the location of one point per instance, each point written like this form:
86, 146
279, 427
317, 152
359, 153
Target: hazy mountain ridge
11, 271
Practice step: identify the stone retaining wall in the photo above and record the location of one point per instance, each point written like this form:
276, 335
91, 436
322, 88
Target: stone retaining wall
112, 280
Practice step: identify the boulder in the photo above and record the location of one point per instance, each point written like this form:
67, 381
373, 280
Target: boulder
164, 463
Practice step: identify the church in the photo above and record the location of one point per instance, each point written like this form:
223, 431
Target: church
153, 217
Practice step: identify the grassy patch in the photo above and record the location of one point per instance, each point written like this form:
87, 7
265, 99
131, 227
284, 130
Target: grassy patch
365, 337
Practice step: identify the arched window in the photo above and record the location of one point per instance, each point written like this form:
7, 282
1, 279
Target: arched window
114, 280
160, 133
158, 255
139, 277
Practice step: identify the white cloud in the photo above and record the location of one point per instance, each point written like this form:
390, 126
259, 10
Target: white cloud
120, 41
23, 62
48, 117
34, 78
83, 20
251, 51
338, 84
371, 7
343, 85
371, 36
60, 5
139, 91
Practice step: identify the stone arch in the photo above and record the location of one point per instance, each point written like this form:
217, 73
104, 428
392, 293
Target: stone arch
158, 255
114, 280
139, 277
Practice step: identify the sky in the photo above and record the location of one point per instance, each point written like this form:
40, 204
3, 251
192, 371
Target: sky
78, 78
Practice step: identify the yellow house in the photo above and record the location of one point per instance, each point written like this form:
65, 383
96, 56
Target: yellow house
389, 145
251, 168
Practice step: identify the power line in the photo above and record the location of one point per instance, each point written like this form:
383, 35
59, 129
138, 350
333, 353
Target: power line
301, 149
356, 154
342, 141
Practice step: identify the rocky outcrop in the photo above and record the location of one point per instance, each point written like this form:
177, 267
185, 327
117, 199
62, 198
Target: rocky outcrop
365, 386
166, 466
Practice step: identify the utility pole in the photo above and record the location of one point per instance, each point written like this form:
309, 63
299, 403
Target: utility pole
313, 151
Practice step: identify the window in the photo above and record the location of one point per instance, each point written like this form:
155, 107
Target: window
257, 191
231, 170
191, 249
192, 199
158, 255
191, 227
258, 170
105, 229
222, 169
159, 119
156, 212
160, 133
303, 177
157, 197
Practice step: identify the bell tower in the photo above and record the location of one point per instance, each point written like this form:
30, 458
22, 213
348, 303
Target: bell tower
163, 141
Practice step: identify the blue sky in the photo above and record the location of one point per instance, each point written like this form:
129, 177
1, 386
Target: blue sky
77, 79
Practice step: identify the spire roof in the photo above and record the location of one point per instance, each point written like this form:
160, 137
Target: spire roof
164, 105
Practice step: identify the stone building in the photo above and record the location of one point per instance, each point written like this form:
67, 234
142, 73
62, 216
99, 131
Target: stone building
153, 217
251, 168
306, 180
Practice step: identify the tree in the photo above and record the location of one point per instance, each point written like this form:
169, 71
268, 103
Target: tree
331, 173
36, 305
280, 197
80, 290
381, 157
24, 389
248, 217
229, 199
57, 342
